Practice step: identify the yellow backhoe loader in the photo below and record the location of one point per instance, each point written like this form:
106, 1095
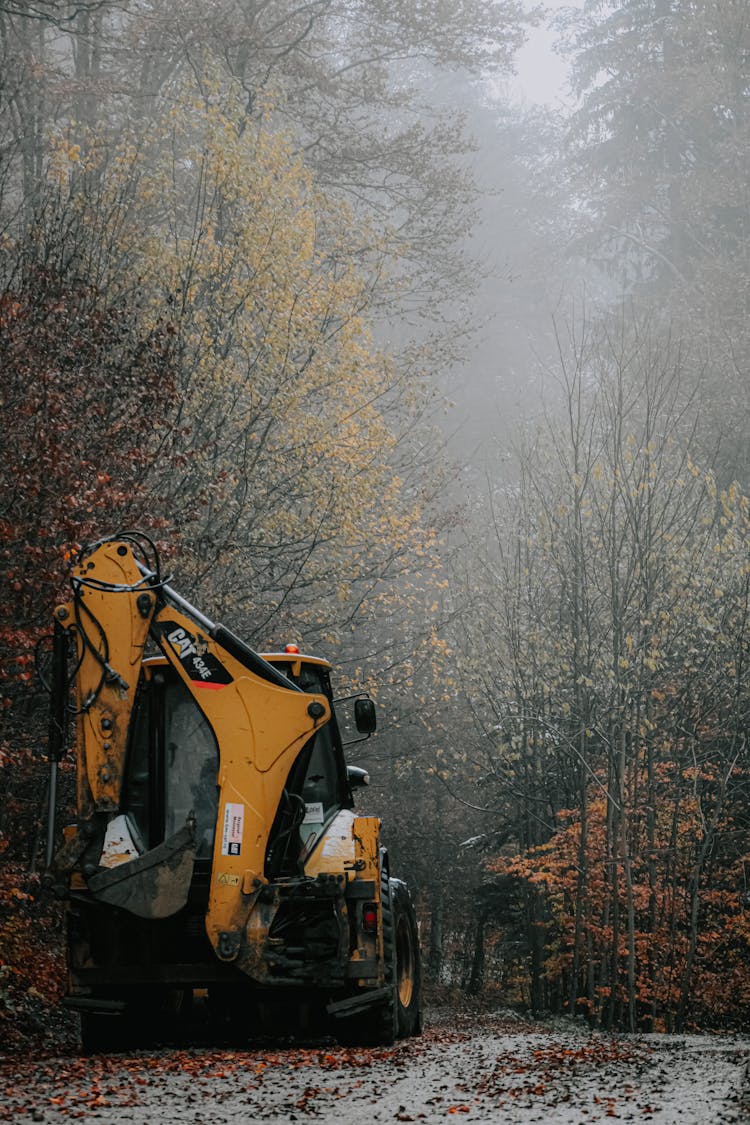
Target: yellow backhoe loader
216, 863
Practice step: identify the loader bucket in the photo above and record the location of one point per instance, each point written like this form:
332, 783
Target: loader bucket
156, 884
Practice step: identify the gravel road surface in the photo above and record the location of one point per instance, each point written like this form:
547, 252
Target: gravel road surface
462, 1069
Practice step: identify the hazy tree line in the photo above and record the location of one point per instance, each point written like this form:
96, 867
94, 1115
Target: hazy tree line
609, 578
236, 271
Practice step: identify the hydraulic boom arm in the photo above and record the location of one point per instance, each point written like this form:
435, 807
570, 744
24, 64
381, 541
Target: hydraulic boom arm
260, 720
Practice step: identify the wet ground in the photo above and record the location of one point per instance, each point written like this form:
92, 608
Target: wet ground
467, 1068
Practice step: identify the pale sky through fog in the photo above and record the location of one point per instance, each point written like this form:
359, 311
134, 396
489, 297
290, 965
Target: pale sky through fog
541, 73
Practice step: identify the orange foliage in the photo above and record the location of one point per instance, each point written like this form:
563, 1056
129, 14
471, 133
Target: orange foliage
32, 967
667, 874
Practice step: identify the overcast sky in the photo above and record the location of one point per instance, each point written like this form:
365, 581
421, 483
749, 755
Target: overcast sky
541, 72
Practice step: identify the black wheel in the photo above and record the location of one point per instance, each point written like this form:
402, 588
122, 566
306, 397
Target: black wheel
143, 1023
400, 1014
408, 969
385, 1019
102, 1032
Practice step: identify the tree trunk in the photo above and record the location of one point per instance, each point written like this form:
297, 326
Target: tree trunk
476, 978
437, 911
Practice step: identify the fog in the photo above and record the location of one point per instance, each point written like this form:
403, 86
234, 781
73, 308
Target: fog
418, 332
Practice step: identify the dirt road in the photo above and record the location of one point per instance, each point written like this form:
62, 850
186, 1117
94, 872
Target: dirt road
463, 1069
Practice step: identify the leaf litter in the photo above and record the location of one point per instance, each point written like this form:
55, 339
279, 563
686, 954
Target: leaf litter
467, 1068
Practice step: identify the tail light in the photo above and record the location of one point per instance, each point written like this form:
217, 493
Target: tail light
370, 918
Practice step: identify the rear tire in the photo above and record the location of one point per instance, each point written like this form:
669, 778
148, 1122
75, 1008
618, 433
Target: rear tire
102, 1033
408, 968
385, 1018
143, 1023
400, 1015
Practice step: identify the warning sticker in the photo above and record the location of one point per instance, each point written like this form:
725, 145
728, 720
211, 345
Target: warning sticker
313, 813
234, 821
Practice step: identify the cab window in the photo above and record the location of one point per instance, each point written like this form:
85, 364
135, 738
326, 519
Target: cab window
173, 762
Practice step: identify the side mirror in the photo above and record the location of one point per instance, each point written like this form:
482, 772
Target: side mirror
365, 717
358, 720
357, 777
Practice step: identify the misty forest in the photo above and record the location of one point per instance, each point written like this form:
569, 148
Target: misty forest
443, 382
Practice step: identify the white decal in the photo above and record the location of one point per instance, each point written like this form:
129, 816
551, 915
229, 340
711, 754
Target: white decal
119, 846
182, 641
234, 822
313, 813
179, 639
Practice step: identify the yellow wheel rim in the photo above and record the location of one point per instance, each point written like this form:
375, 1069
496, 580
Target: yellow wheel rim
404, 962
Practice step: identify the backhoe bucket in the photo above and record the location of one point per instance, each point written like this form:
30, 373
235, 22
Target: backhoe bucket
156, 884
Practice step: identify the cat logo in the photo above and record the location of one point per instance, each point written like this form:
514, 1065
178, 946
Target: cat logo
183, 642
200, 665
